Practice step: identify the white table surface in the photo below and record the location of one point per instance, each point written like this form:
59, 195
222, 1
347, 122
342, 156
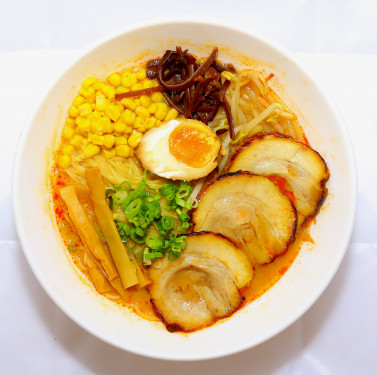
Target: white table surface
338, 335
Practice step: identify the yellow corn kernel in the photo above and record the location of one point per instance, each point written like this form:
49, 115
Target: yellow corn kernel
78, 119
108, 140
91, 99
132, 152
96, 115
120, 126
113, 111
142, 112
106, 124
122, 150
97, 139
108, 154
152, 108
145, 100
128, 129
120, 141
78, 100
137, 102
90, 150
85, 109
89, 82
68, 149
97, 127
101, 102
68, 132
109, 127
147, 84
136, 86
160, 114
171, 115
108, 91
138, 122
70, 122
158, 122
87, 92
73, 111
84, 125
141, 74
129, 104
114, 79
97, 85
126, 81
133, 78
157, 97
163, 106
149, 123
76, 140
121, 90
93, 106
64, 161
135, 139
128, 117
142, 128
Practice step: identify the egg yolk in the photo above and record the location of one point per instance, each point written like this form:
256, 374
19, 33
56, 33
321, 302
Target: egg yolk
192, 145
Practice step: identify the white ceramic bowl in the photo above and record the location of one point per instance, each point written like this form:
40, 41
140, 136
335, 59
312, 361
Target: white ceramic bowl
275, 310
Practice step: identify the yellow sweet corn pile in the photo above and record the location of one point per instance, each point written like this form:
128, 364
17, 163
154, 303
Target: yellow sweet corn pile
97, 123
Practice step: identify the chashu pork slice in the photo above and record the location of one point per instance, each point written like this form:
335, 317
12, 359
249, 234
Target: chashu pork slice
202, 285
251, 211
303, 169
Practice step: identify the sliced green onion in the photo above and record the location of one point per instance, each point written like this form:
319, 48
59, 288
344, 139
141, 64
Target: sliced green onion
154, 241
184, 226
194, 203
139, 232
120, 186
167, 222
109, 191
72, 248
142, 209
133, 208
184, 217
173, 256
153, 198
129, 245
173, 234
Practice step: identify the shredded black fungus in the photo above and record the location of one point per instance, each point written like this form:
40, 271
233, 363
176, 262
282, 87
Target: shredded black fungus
193, 89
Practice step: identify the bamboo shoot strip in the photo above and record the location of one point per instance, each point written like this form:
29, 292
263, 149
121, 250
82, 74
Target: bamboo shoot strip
99, 280
143, 279
105, 220
85, 229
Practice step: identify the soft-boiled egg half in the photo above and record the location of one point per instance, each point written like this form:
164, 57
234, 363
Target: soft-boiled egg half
180, 149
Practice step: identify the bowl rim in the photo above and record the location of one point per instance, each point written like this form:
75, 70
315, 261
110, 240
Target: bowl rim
216, 22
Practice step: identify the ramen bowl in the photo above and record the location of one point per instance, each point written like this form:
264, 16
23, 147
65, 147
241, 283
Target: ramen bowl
275, 310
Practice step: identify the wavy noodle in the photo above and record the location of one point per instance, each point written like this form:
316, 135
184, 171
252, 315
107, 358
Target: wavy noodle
114, 171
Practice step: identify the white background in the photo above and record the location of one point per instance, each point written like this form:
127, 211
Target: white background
337, 42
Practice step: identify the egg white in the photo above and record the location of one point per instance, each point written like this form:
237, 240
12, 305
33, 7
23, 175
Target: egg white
154, 154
